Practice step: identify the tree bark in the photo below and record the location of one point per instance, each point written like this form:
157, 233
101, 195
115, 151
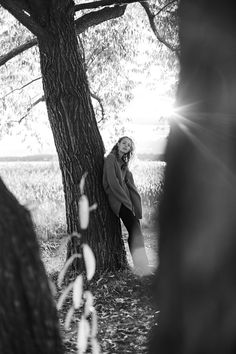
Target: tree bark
77, 139
28, 317
196, 291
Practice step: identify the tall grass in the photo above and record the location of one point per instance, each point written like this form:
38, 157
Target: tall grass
33, 182
149, 177
38, 186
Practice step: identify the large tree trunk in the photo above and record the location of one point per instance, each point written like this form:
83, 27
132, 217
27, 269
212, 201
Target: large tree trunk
28, 317
77, 139
196, 290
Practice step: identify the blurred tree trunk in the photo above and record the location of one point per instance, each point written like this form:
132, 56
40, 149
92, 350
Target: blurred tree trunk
28, 317
78, 142
196, 286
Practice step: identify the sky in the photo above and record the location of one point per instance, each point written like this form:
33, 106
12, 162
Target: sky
143, 112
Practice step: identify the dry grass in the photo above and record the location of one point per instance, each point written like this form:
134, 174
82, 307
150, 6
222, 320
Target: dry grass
38, 186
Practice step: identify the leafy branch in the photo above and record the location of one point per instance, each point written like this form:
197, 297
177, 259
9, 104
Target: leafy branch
81, 24
165, 7
95, 53
42, 99
94, 18
151, 18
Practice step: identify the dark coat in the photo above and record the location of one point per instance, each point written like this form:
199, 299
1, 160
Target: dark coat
120, 187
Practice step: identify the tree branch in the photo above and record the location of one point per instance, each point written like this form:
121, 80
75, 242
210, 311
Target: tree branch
96, 17
15, 51
81, 24
20, 88
164, 7
21, 14
93, 95
151, 18
29, 109
103, 3
96, 52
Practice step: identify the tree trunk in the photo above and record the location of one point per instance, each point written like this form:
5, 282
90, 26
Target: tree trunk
196, 288
77, 139
28, 317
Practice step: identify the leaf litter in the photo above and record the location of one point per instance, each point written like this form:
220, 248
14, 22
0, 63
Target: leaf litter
126, 314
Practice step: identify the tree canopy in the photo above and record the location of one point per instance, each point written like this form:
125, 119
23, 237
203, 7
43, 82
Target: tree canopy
121, 52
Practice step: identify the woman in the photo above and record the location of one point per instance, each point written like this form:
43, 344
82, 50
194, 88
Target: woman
124, 198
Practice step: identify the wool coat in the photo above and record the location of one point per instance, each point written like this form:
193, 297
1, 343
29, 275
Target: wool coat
120, 188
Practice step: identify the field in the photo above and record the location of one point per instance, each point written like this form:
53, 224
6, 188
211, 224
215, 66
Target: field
123, 301
38, 186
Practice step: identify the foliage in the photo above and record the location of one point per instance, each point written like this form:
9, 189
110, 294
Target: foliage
16, 73
120, 54
167, 19
12, 32
112, 52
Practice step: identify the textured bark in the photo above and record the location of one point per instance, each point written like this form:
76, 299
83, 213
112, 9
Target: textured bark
77, 139
196, 287
28, 318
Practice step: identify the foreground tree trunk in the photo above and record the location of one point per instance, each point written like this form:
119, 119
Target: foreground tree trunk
28, 317
196, 288
77, 139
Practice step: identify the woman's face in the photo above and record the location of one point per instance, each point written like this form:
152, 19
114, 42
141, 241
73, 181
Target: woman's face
124, 146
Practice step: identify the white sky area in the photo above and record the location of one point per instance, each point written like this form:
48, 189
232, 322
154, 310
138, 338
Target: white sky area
147, 106
15, 145
143, 113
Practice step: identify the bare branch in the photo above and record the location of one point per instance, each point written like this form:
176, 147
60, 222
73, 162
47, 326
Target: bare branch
164, 7
151, 17
96, 17
103, 3
93, 95
20, 88
96, 52
29, 109
23, 16
15, 51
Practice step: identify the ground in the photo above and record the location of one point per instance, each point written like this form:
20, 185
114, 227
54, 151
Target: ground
123, 301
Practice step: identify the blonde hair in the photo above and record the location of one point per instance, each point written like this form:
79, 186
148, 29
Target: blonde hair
126, 157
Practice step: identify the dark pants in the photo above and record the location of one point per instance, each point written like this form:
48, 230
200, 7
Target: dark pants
135, 238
